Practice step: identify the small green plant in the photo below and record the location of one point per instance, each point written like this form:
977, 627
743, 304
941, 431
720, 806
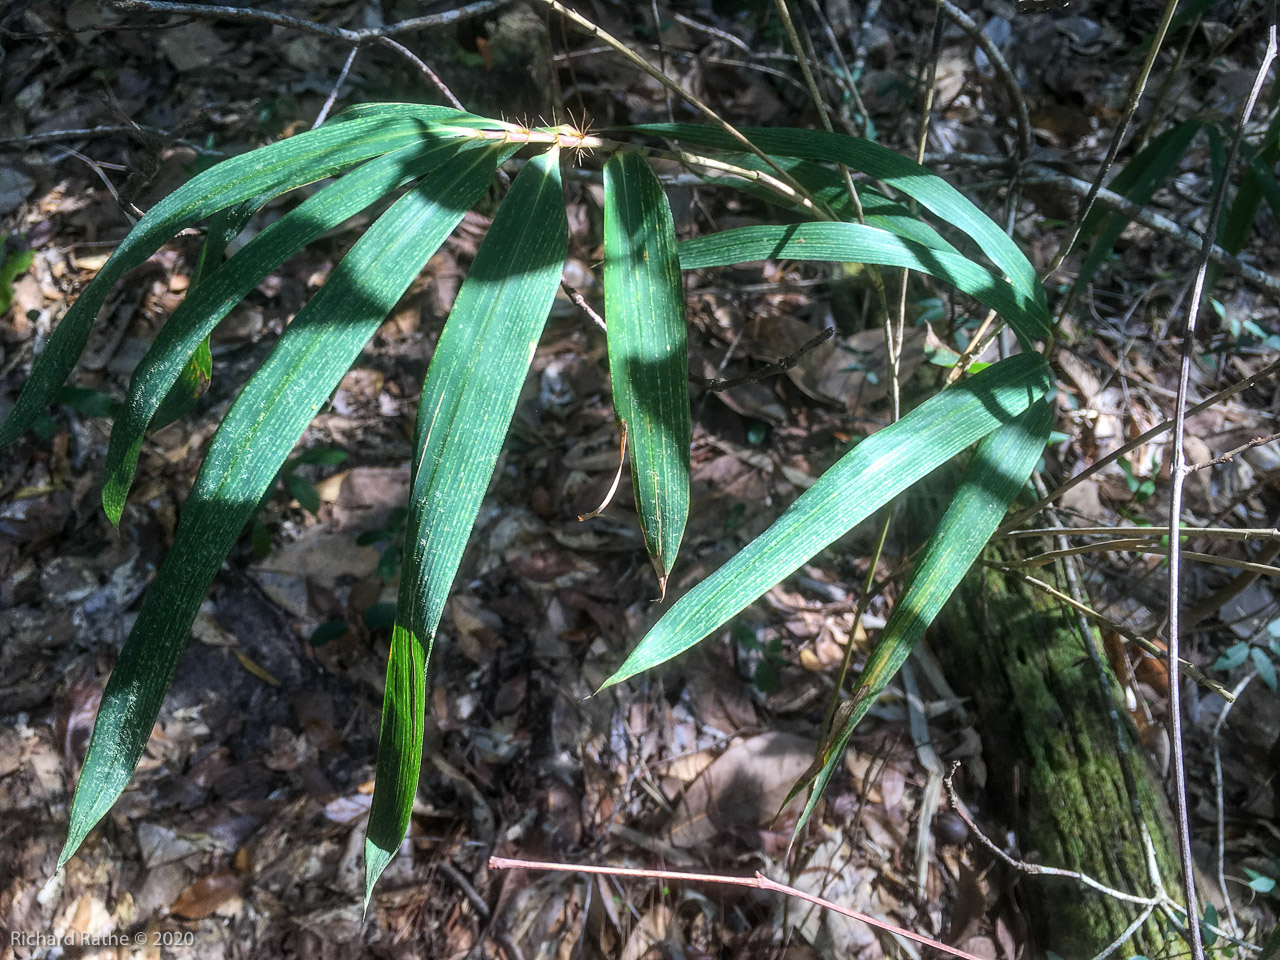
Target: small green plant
439, 162
299, 489
12, 265
1142, 488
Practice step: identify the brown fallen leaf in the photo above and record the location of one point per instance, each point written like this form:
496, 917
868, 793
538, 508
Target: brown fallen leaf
206, 895
743, 787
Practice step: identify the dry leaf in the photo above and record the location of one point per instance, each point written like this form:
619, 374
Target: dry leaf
743, 787
206, 895
650, 932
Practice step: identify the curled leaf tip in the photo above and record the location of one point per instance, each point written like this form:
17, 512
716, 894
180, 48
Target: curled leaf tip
662, 580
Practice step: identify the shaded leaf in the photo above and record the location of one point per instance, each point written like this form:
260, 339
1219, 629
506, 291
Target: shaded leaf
245, 455
893, 169
648, 350
828, 187
852, 242
227, 285
1138, 181
267, 171
196, 376
998, 471
866, 478
470, 394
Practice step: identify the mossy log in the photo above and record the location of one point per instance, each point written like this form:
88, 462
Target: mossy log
1057, 746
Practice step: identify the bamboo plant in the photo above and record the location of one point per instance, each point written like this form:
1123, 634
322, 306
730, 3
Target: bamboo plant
438, 163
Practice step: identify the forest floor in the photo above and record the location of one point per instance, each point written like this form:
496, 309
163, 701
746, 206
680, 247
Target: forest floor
242, 832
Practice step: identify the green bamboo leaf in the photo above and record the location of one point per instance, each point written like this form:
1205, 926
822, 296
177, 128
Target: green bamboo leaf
13, 266
1258, 182
427, 113
996, 474
263, 425
194, 380
854, 243
267, 171
228, 284
1263, 181
469, 397
879, 163
648, 350
1238, 223
1138, 181
828, 187
866, 478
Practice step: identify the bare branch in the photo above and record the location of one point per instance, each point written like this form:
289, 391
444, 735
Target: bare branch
309, 26
1180, 472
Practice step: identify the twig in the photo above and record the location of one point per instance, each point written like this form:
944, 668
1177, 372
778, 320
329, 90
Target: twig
778, 186
462, 883
1142, 545
1135, 96
580, 302
1087, 472
1189, 668
1129, 931
1035, 869
330, 100
759, 882
1179, 475
1121, 205
1001, 67
1209, 533
1231, 454
772, 369
381, 35
600, 33
97, 168
1229, 590
846, 79
1162, 224
423, 69
443, 19
1104, 546
869, 15
1217, 789
140, 131
724, 35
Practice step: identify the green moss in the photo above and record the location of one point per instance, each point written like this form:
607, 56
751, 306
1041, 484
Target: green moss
1054, 753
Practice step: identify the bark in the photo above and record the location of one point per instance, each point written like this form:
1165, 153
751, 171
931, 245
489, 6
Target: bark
1065, 769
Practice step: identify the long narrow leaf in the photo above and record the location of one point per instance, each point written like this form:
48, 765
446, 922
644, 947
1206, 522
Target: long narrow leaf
244, 457
828, 187
854, 243
470, 394
224, 226
269, 170
998, 471
880, 163
211, 300
1257, 182
648, 350
866, 478
1138, 181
